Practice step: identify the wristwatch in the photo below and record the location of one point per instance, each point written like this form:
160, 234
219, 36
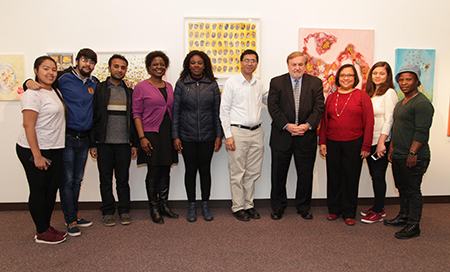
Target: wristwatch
412, 153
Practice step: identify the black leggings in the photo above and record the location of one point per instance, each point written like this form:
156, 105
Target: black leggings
43, 185
197, 157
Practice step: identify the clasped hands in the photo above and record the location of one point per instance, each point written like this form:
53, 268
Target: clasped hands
297, 130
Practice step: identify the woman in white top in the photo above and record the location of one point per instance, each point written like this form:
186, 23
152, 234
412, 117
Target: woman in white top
380, 87
39, 148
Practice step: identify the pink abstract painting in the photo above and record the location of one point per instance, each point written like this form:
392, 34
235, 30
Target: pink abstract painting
329, 49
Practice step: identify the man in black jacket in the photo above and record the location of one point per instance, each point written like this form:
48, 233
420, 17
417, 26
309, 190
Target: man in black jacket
296, 106
114, 140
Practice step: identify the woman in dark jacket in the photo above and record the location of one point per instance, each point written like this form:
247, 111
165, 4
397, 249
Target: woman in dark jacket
196, 128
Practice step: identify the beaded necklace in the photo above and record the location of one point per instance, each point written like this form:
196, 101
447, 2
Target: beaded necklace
337, 98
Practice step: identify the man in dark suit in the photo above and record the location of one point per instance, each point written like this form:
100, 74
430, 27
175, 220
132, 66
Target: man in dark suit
296, 104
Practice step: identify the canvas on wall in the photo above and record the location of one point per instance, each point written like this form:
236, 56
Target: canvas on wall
63, 60
329, 49
136, 66
425, 59
223, 40
12, 75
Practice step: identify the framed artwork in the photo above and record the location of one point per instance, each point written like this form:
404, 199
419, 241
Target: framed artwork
12, 75
136, 66
329, 49
425, 59
223, 40
63, 60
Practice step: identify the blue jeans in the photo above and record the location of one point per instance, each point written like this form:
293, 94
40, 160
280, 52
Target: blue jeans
408, 182
74, 157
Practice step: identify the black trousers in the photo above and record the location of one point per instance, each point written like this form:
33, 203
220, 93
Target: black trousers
114, 158
343, 172
377, 170
408, 182
197, 157
43, 185
304, 159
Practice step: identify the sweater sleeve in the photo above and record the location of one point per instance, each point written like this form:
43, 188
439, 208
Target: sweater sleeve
368, 121
138, 102
423, 116
390, 100
323, 125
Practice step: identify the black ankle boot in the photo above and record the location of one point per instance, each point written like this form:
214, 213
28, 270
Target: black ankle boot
207, 215
155, 214
163, 198
399, 221
166, 211
410, 231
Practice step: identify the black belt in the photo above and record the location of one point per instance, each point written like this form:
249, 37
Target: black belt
78, 134
245, 127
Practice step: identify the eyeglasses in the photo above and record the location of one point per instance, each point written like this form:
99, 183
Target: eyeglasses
249, 60
345, 75
87, 60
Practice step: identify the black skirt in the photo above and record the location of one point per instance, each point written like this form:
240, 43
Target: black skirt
163, 152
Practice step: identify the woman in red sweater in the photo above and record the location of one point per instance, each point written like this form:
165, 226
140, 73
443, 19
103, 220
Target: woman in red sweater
345, 140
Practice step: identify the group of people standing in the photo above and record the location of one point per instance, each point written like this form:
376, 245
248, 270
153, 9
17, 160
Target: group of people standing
68, 114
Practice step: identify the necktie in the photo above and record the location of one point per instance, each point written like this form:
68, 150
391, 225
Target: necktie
296, 99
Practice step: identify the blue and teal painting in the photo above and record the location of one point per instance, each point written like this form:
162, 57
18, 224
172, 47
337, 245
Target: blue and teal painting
424, 58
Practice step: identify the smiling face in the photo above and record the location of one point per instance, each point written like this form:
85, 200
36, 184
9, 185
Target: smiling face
196, 66
297, 66
84, 67
46, 73
408, 83
249, 64
379, 76
347, 79
157, 68
118, 69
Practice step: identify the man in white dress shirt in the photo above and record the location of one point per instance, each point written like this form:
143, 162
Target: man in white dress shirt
240, 114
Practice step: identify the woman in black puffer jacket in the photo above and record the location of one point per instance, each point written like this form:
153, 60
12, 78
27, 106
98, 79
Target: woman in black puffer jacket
196, 128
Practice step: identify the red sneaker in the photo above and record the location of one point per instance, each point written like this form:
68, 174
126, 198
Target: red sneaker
49, 237
60, 233
350, 221
332, 217
372, 218
366, 213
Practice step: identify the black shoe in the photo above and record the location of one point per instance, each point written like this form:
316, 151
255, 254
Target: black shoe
306, 214
155, 214
253, 214
241, 215
166, 211
408, 232
399, 221
276, 214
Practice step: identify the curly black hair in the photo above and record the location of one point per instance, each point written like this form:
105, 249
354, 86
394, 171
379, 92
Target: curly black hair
206, 60
152, 55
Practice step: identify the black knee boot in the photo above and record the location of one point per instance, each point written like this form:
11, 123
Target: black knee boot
152, 194
163, 198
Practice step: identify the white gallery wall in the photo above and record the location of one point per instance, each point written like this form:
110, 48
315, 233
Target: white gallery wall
33, 28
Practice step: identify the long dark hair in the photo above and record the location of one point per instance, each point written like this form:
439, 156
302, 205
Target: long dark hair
371, 89
206, 60
38, 63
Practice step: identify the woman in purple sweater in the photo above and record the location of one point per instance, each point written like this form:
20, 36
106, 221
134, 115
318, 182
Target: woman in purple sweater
152, 112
